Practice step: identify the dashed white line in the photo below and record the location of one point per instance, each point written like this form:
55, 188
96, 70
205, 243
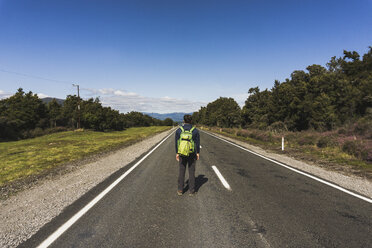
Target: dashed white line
79, 214
369, 200
222, 179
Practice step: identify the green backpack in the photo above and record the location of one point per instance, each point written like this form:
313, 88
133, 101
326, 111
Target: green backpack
185, 143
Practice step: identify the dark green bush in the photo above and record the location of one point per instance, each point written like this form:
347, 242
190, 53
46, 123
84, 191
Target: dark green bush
355, 148
253, 135
362, 127
278, 127
342, 131
325, 141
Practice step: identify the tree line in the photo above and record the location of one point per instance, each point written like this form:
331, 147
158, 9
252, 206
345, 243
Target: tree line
321, 98
25, 115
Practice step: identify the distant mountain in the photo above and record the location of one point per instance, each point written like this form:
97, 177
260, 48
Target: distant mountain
176, 117
46, 100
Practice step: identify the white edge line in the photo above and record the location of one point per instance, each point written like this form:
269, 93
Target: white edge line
79, 214
222, 179
298, 171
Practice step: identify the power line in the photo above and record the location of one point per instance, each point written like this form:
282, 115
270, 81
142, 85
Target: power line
36, 77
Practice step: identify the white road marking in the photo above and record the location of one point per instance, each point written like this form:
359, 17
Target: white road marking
369, 200
222, 179
79, 214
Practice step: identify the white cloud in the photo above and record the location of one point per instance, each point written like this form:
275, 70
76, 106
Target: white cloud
125, 101
240, 98
4, 94
42, 95
124, 93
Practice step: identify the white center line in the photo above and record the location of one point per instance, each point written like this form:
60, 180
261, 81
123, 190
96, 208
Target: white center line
77, 216
222, 179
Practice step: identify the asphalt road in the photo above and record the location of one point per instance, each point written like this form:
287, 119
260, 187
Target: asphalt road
267, 206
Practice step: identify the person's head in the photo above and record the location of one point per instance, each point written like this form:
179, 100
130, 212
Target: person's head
187, 119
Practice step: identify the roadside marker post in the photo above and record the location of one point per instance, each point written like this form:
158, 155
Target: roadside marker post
282, 143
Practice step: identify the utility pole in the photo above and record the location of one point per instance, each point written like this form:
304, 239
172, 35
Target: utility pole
78, 124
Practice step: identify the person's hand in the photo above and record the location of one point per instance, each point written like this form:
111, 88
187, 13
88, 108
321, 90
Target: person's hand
177, 157
197, 156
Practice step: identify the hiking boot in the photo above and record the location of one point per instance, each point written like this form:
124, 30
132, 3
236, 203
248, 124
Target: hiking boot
179, 192
192, 193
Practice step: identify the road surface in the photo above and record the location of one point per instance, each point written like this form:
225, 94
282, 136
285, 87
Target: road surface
266, 206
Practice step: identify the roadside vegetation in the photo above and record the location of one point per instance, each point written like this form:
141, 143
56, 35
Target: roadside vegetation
25, 115
342, 149
320, 99
38, 156
325, 114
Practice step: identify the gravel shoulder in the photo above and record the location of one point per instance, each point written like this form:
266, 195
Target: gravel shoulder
24, 213
352, 182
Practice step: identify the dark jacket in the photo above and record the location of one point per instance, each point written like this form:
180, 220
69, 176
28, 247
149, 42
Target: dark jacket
195, 136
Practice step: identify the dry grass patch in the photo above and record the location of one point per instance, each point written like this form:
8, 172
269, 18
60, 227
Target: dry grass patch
347, 150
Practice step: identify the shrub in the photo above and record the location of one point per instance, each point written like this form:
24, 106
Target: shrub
36, 132
278, 127
307, 140
325, 141
265, 136
253, 135
55, 130
342, 131
355, 148
40, 132
243, 133
362, 127
291, 136
228, 130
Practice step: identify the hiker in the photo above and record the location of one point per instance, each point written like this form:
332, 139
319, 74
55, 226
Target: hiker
187, 152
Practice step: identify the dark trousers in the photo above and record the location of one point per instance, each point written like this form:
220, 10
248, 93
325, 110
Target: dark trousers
184, 161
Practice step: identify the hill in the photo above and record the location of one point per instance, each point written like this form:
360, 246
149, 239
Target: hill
176, 117
46, 100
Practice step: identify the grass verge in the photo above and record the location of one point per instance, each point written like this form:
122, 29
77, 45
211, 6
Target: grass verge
32, 157
307, 146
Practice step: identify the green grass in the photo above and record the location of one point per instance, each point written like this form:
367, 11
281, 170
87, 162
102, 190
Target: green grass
21, 159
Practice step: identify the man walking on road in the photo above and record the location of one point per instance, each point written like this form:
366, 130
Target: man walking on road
187, 152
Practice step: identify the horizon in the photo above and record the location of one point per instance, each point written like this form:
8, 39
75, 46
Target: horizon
168, 56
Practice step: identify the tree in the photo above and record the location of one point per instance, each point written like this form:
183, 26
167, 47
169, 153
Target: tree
223, 112
70, 111
168, 122
22, 112
54, 112
256, 109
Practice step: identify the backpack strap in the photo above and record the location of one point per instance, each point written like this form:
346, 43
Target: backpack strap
182, 130
192, 129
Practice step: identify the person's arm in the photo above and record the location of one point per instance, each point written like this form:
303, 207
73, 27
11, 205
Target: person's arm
197, 143
177, 137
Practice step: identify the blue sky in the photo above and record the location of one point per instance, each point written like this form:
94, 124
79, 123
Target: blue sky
170, 56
